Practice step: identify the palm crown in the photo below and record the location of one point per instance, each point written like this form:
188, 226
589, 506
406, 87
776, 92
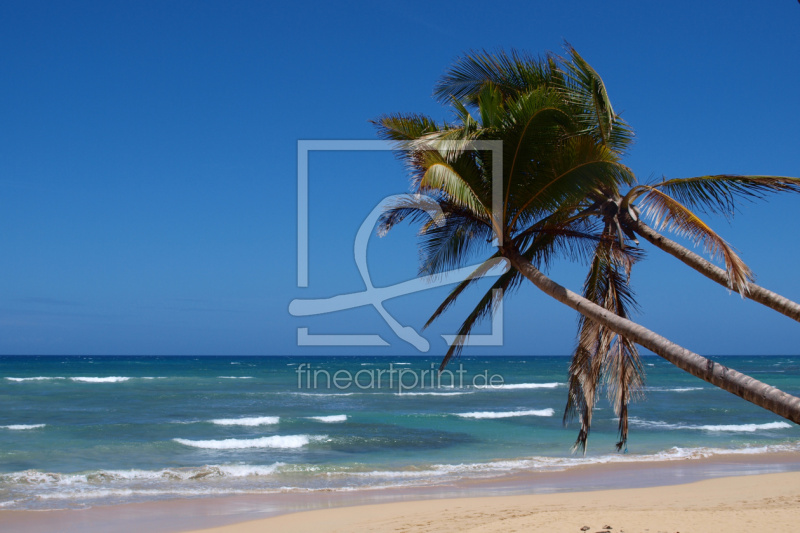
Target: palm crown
564, 192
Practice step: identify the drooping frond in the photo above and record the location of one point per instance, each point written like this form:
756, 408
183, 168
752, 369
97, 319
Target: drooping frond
453, 243
488, 303
718, 193
414, 207
448, 234
451, 298
586, 365
666, 212
601, 356
624, 374
624, 382
539, 249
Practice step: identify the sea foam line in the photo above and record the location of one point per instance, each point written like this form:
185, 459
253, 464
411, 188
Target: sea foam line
110, 379
23, 426
37, 378
330, 418
277, 441
742, 428
435, 472
513, 386
247, 421
168, 474
507, 414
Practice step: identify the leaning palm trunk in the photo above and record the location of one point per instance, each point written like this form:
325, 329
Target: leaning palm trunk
754, 292
750, 389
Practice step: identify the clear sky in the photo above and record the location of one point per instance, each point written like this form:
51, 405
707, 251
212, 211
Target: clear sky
148, 164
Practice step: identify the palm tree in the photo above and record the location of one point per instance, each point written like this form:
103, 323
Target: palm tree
562, 145
669, 203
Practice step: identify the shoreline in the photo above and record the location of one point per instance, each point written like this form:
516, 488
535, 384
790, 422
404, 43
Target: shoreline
231, 513
766, 502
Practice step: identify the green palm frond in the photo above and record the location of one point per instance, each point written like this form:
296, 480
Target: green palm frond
404, 126
534, 127
490, 105
463, 116
668, 213
511, 72
442, 176
583, 87
558, 243
578, 170
585, 76
452, 244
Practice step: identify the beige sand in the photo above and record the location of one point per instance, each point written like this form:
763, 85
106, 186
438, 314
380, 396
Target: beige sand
769, 502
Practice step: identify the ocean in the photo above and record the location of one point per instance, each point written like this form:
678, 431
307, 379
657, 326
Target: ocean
79, 432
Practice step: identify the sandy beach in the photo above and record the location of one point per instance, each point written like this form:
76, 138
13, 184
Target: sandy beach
735, 504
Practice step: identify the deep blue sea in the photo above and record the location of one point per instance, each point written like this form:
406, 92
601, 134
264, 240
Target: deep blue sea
84, 431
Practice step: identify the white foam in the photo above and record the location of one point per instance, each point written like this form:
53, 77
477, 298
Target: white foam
110, 379
507, 414
250, 421
740, 428
182, 474
748, 428
110, 493
37, 378
235, 377
540, 463
277, 441
24, 426
513, 386
248, 470
330, 419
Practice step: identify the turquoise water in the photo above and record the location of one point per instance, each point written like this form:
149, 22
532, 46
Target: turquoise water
85, 431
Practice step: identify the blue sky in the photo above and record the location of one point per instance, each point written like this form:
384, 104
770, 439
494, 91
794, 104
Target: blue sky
148, 164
